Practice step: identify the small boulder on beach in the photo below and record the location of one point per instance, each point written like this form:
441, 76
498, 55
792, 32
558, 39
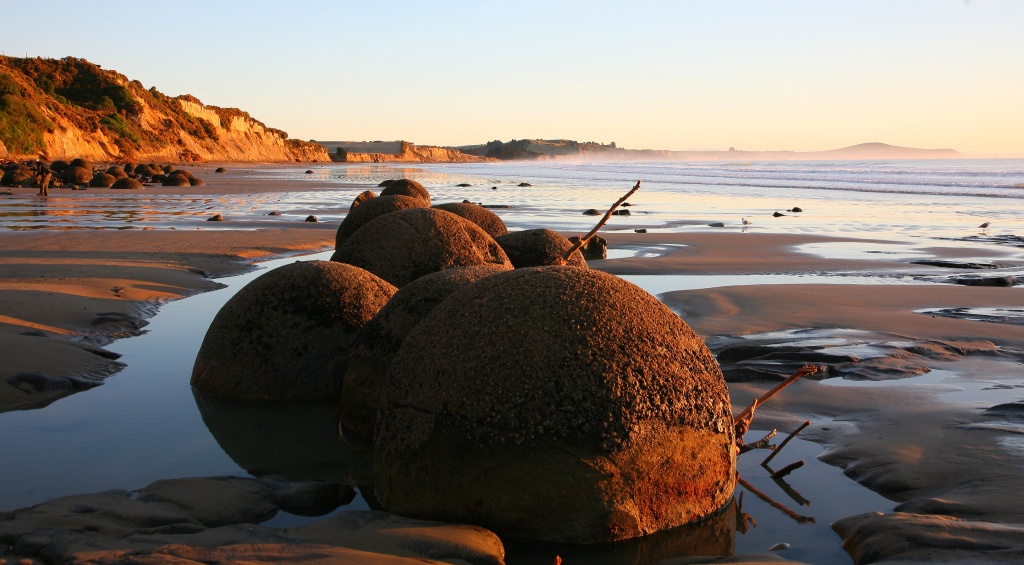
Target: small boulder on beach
406, 187
533, 248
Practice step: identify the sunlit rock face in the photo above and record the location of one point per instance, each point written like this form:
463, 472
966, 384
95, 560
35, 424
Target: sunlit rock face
287, 334
359, 215
555, 403
405, 245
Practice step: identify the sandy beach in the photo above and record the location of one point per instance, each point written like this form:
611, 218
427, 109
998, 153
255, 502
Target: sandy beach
951, 463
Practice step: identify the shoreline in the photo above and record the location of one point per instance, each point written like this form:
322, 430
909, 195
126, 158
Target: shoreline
906, 442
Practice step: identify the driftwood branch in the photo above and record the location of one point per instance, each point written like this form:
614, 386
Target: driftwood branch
759, 444
600, 224
748, 414
784, 442
796, 496
778, 506
781, 473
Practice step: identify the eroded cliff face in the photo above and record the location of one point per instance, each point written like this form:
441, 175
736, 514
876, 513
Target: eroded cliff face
416, 154
71, 108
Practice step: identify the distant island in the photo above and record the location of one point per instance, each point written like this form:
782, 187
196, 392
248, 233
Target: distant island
563, 149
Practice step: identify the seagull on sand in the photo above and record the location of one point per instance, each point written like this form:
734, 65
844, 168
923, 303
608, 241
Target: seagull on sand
985, 225
745, 221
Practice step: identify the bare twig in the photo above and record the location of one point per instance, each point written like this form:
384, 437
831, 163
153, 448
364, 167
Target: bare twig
787, 470
748, 413
759, 444
784, 442
583, 241
778, 506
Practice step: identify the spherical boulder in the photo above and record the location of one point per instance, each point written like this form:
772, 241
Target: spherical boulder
555, 403
102, 180
370, 209
81, 163
58, 166
534, 248
406, 187
194, 181
116, 172
361, 197
379, 340
402, 246
17, 176
127, 184
76, 175
182, 172
477, 214
176, 180
286, 335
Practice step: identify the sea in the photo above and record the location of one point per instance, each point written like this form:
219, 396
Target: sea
146, 424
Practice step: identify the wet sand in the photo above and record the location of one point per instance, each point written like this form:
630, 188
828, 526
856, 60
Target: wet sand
952, 466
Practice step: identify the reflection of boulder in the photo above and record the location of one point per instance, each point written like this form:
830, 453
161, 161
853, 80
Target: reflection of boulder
286, 335
489, 221
379, 340
715, 536
555, 403
370, 209
538, 247
406, 187
297, 441
402, 246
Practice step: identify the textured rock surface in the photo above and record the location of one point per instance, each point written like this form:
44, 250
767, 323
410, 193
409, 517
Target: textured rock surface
286, 335
379, 340
537, 247
402, 246
605, 411
362, 197
489, 221
370, 209
406, 187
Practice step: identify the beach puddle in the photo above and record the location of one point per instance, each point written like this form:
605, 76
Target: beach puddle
858, 250
660, 284
1013, 316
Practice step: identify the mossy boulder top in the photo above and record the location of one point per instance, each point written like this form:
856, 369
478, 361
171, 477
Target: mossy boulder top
370, 209
402, 246
287, 334
555, 403
489, 221
406, 187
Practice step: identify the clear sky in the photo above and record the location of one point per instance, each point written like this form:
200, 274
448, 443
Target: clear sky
684, 74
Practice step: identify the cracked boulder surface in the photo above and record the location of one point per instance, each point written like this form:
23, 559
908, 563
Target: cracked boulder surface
287, 334
555, 403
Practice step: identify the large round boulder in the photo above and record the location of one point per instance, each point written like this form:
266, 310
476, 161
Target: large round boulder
477, 214
402, 246
176, 180
17, 176
116, 172
370, 209
555, 403
102, 180
127, 184
406, 187
74, 174
538, 247
361, 197
379, 340
287, 334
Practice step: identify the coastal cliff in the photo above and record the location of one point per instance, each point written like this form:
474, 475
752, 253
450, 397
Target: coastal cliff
396, 152
69, 108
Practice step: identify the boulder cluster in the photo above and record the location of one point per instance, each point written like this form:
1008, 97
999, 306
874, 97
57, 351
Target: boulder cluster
82, 173
503, 383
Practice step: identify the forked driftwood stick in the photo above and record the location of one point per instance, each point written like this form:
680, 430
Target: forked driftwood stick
781, 473
749, 412
600, 224
778, 506
784, 442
